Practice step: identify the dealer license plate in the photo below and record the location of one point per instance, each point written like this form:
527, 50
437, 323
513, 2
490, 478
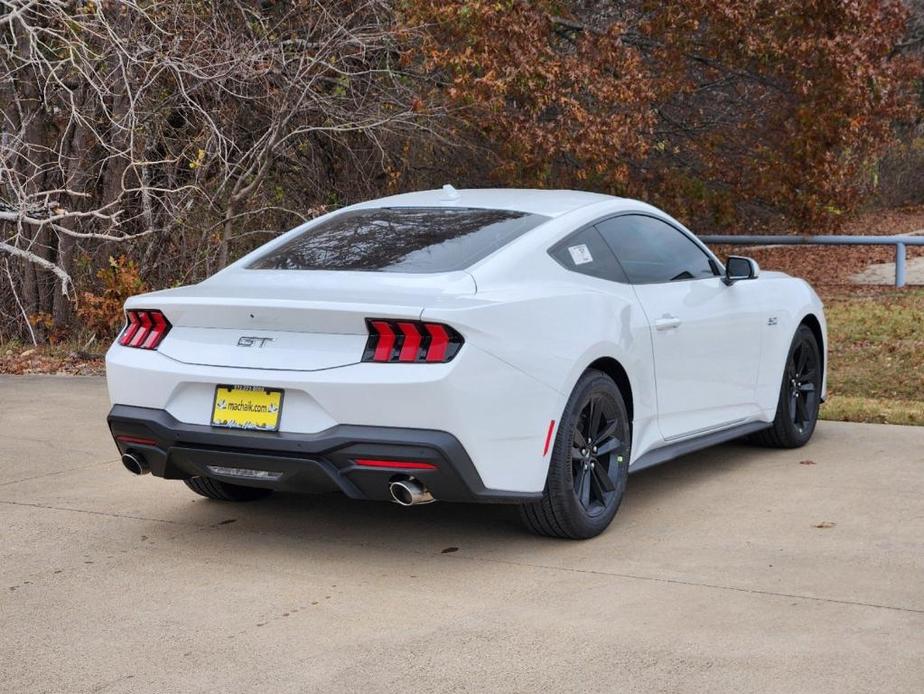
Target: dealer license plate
247, 407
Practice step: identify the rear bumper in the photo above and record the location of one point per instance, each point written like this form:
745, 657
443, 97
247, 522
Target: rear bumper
499, 414
306, 463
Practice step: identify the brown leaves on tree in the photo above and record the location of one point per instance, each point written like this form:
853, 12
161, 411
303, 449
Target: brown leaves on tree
716, 109
101, 313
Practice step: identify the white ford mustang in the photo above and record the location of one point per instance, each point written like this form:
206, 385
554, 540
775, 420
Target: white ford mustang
520, 346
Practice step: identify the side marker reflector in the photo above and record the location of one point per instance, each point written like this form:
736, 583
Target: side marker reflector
548, 438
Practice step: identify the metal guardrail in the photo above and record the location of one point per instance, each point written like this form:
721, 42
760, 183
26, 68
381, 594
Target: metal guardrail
900, 242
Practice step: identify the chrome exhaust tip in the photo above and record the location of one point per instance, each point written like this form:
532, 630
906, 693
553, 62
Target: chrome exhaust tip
409, 492
135, 463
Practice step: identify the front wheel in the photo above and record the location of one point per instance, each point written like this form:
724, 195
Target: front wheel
800, 395
589, 466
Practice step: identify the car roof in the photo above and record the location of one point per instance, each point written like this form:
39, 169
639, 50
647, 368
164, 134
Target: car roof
549, 203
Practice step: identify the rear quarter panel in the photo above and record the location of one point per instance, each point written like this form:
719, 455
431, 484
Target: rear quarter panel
551, 324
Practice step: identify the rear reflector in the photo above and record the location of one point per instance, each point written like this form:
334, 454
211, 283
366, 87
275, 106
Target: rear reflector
395, 464
138, 440
144, 329
410, 342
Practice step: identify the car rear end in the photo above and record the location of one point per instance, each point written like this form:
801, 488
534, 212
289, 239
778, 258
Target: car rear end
287, 376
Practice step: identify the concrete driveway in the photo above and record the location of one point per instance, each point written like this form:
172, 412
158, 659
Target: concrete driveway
734, 570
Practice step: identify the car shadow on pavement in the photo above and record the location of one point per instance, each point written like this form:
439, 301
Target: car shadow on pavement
336, 516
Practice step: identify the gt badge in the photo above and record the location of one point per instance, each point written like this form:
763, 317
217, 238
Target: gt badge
253, 341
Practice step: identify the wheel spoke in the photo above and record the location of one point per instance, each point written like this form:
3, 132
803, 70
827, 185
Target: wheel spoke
801, 414
608, 431
807, 388
594, 419
576, 453
582, 486
802, 360
792, 406
579, 438
603, 481
609, 446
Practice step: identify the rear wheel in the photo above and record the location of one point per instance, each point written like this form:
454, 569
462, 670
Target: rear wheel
589, 465
800, 395
222, 491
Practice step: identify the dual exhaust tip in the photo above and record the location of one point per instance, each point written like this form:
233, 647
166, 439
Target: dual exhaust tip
406, 492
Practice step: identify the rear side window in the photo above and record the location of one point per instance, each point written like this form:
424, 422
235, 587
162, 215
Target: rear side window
586, 252
651, 251
415, 240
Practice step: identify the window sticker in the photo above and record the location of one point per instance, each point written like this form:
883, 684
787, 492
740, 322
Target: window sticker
580, 254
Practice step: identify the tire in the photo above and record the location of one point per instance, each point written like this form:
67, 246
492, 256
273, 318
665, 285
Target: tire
800, 390
222, 491
579, 502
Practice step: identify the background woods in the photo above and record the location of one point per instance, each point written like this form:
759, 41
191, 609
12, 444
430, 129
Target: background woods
143, 143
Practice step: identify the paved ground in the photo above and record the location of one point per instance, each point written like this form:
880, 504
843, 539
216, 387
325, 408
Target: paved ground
884, 273
714, 577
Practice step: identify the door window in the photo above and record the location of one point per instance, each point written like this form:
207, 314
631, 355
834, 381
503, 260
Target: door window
651, 251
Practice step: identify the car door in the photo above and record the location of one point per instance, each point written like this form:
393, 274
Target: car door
705, 335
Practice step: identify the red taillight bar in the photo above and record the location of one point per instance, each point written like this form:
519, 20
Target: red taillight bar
439, 342
144, 329
410, 342
385, 341
131, 328
411, 345
142, 333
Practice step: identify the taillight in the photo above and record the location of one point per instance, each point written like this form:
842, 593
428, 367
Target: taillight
410, 341
145, 329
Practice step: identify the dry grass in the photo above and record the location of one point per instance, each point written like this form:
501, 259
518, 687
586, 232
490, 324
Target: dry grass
876, 356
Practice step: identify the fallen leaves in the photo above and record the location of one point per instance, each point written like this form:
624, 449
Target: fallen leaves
50, 360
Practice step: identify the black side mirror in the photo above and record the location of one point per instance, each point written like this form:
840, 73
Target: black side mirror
740, 268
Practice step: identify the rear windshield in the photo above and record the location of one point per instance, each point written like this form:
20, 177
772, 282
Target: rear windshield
416, 240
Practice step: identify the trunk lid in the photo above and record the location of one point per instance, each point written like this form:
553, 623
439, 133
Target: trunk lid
291, 319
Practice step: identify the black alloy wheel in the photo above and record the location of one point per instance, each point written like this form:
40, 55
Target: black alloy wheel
804, 381
800, 395
589, 465
594, 447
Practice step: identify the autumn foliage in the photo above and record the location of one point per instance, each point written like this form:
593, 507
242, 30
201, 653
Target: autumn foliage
100, 312
720, 110
175, 135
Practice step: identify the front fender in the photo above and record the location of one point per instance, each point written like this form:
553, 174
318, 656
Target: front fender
793, 302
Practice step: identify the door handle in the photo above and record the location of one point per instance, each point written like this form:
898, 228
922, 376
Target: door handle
667, 322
